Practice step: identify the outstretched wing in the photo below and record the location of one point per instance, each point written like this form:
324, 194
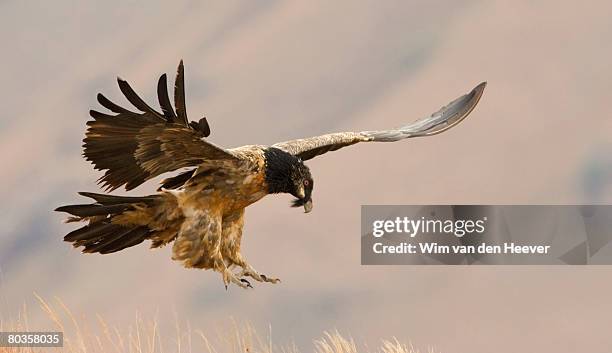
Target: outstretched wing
442, 120
133, 147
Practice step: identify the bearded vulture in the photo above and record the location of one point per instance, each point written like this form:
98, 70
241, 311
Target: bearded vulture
201, 209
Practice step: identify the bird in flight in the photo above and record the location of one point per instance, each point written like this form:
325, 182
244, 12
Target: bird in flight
201, 209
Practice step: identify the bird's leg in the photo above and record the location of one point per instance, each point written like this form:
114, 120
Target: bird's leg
247, 270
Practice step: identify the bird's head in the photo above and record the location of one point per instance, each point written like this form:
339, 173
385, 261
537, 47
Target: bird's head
286, 173
302, 187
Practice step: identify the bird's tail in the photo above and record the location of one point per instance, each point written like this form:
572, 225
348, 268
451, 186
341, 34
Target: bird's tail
114, 222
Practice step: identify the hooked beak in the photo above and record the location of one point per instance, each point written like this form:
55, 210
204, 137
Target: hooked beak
308, 206
301, 194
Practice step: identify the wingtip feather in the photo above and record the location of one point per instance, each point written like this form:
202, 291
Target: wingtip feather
164, 99
179, 95
480, 88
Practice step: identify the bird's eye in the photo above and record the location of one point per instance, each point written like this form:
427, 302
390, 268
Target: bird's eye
306, 183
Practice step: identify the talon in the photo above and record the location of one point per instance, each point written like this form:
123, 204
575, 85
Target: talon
249, 271
268, 279
229, 277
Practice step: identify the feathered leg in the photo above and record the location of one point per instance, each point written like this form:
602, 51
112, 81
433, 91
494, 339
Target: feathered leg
199, 244
232, 236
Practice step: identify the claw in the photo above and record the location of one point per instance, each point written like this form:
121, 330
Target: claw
249, 271
230, 277
271, 280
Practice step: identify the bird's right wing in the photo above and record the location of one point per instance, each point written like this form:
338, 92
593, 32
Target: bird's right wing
133, 147
445, 118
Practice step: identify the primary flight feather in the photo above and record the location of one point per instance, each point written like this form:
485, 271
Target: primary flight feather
201, 209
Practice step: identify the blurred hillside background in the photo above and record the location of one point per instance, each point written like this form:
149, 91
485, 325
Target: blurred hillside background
266, 71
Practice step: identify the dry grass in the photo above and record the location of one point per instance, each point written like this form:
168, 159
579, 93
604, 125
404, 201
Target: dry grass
144, 336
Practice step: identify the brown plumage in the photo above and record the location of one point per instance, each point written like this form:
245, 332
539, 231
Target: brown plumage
201, 210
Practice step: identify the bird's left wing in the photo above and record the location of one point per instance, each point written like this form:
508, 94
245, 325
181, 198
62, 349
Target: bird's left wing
442, 120
133, 147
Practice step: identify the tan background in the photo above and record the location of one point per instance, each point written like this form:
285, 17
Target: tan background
268, 70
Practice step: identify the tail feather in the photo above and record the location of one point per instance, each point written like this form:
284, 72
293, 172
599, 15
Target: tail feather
105, 199
101, 235
118, 241
88, 232
93, 209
